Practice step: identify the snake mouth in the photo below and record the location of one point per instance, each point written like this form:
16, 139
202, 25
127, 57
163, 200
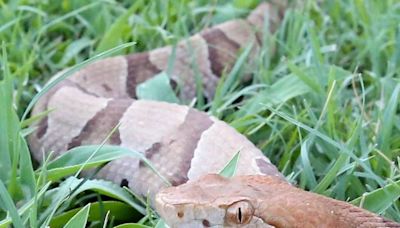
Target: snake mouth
210, 201
179, 212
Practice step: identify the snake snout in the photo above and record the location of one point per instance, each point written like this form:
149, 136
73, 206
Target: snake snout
187, 214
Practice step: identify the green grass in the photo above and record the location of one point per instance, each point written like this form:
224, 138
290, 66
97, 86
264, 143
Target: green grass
323, 108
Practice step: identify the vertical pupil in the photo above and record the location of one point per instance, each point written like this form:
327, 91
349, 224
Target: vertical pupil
240, 215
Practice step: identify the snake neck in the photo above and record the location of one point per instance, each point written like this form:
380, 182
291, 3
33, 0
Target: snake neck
297, 208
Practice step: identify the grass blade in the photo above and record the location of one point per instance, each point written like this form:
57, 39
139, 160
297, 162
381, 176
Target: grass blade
230, 168
388, 120
114, 34
157, 88
380, 199
8, 203
80, 219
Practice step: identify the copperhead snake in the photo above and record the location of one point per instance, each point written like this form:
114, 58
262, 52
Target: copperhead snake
185, 145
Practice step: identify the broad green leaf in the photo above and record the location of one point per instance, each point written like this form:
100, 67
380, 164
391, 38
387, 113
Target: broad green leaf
71, 161
80, 219
106, 188
118, 210
90, 156
132, 225
161, 224
157, 88
230, 168
380, 199
73, 186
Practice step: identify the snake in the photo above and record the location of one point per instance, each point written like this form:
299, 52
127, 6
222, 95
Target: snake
186, 146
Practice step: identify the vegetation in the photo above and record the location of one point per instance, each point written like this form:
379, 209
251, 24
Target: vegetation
323, 106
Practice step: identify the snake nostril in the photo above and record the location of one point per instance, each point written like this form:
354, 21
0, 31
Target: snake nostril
180, 214
206, 223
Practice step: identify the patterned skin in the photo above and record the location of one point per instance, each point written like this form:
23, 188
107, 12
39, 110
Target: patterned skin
257, 201
178, 140
175, 138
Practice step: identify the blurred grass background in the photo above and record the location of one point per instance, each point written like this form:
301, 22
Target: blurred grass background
323, 107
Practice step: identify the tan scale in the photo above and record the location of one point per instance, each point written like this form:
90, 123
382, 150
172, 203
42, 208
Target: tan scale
70, 114
106, 78
188, 54
222, 149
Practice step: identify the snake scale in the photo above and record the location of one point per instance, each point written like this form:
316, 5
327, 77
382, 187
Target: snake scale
185, 145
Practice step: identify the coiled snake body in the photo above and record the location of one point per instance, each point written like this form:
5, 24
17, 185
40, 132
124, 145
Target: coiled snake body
182, 143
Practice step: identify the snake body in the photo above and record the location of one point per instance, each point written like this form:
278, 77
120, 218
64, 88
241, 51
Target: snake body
182, 143
176, 139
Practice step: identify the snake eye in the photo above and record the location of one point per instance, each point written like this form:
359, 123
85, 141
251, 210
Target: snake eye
239, 213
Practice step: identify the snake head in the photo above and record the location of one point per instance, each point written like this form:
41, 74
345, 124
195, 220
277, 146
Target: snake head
257, 201
211, 201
